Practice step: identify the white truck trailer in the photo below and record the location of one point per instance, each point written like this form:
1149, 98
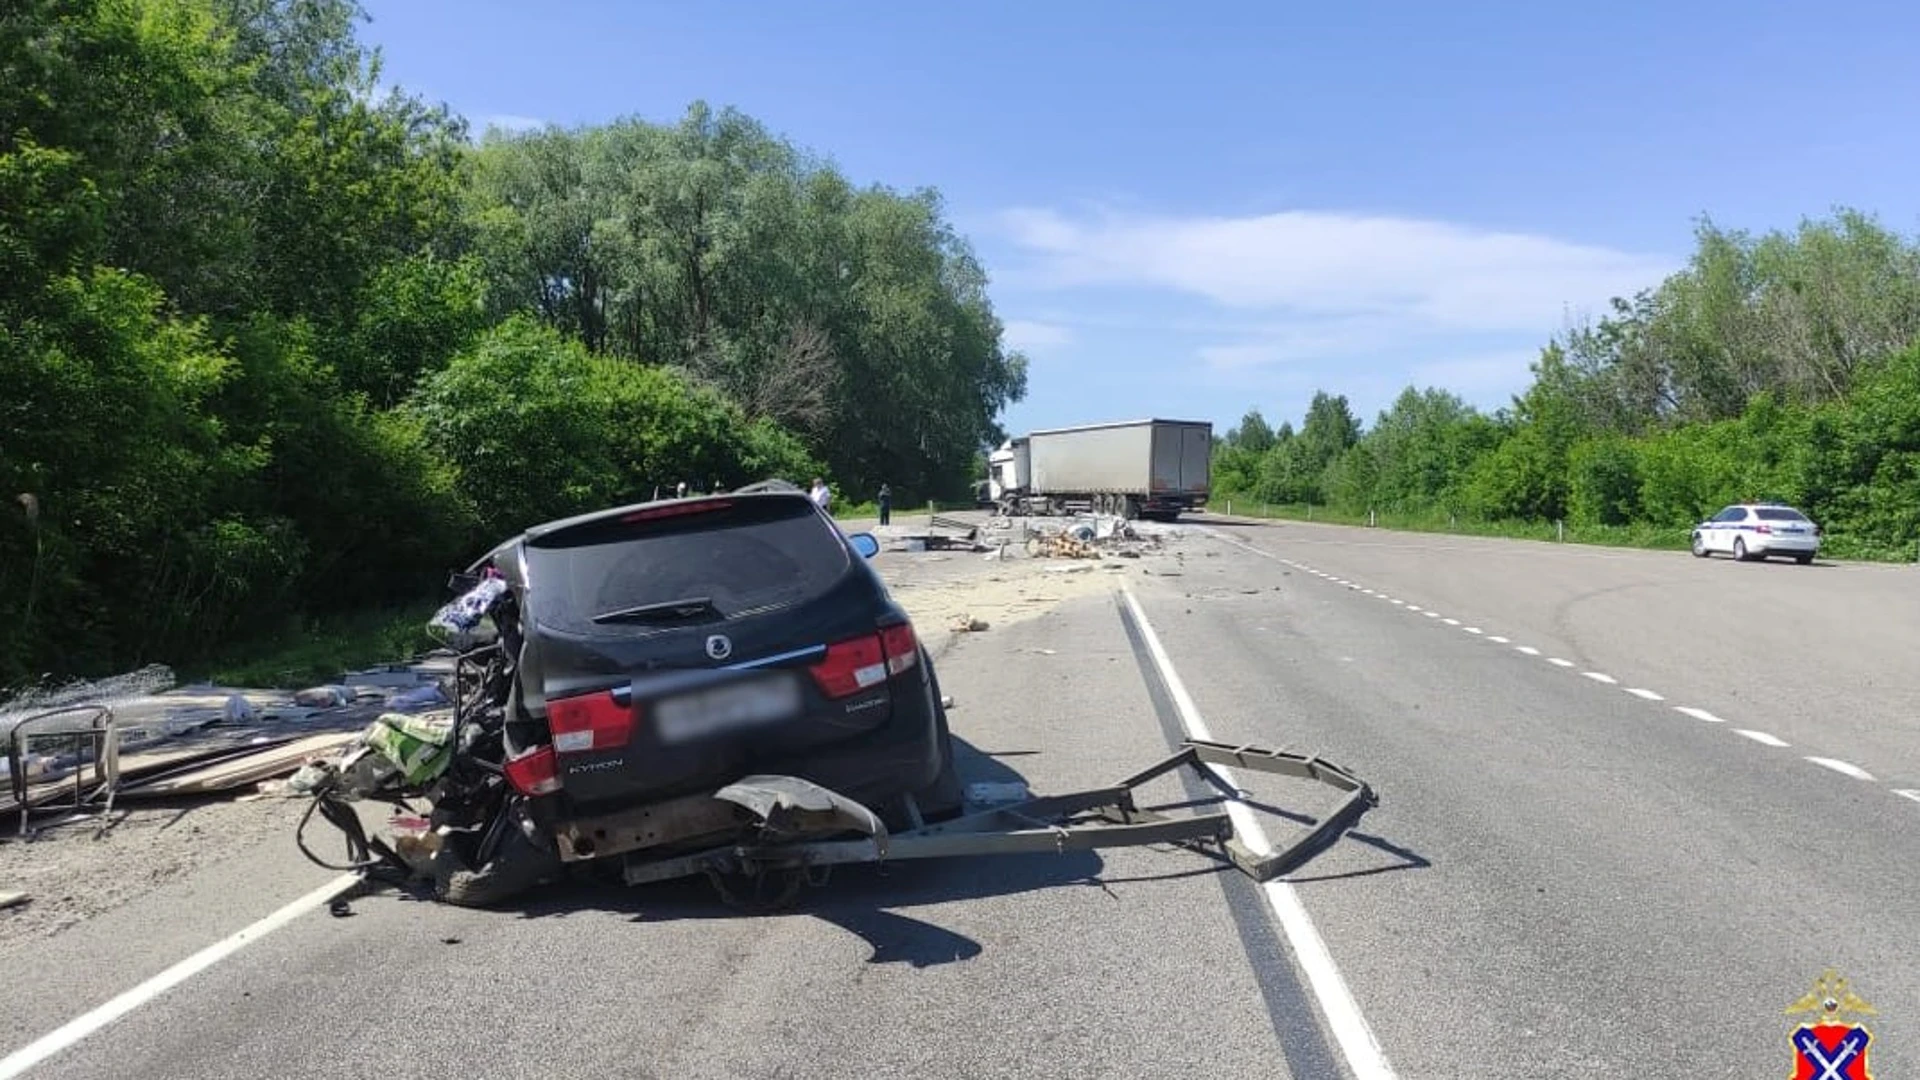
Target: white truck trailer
1134, 469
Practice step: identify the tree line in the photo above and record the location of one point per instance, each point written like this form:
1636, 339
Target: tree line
1782, 366
277, 344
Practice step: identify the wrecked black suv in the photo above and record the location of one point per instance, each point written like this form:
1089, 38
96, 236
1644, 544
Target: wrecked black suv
656, 653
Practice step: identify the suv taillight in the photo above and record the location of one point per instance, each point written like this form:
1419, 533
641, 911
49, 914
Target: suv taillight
865, 662
536, 772
851, 666
595, 721
901, 647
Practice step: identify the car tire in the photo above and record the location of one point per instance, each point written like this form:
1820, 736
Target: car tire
1700, 546
1740, 549
945, 798
1803, 560
515, 868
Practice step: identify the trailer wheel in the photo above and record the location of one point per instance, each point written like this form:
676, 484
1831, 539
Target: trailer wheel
760, 891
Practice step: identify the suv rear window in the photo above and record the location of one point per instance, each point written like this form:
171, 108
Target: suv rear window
755, 554
1779, 513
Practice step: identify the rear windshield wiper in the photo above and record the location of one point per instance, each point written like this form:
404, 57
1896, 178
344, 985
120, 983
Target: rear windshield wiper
664, 611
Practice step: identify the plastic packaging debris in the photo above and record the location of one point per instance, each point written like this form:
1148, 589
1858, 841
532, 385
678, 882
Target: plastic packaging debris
420, 698
462, 614
1083, 533
395, 747
238, 710
417, 746
967, 624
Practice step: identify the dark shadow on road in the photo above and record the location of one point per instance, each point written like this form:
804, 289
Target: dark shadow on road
874, 902
870, 902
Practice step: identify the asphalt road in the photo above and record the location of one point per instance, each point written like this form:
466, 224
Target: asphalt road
1564, 877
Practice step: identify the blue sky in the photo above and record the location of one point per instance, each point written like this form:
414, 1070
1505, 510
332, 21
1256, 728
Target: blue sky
1192, 209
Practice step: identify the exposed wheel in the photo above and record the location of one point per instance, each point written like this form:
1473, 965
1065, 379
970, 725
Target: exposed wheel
1803, 560
518, 865
1700, 546
1740, 548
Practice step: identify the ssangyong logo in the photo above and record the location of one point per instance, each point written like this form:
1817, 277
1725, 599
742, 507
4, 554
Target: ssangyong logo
718, 647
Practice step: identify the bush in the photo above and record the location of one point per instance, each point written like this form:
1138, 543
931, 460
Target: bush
539, 429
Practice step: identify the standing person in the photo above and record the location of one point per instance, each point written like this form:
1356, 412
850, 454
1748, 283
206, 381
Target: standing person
886, 504
821, 496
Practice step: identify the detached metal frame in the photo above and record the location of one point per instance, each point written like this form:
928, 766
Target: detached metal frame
1107, 817
84, 725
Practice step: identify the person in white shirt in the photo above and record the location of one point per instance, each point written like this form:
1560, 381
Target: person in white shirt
822, 497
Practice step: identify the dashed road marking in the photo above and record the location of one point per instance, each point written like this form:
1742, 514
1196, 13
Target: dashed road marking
1842, 767
1765, 739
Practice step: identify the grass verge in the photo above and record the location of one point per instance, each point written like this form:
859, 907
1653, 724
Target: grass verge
316, 651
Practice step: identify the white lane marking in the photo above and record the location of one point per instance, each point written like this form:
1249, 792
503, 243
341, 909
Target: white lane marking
1431, 614
1698, 714
1557, 662
1398, 603
1842, 767
1528, 649
1644, 695
1908, 793
1472, 629
1600, 677
1451, 622
89, 1022
1411, 607
1498, 640
1760, 737
1350, 1029
1368, 592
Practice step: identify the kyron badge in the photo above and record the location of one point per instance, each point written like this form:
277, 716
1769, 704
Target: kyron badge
719, 647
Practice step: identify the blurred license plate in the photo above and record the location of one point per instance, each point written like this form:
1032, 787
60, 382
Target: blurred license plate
731, 706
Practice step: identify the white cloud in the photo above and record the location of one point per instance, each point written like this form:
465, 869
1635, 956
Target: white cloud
1032, 336
510, 122
1474, 376
1432, 275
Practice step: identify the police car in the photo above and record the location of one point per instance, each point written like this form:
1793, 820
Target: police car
1757, 531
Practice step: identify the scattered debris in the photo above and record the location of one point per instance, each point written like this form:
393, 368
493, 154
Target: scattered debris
967, 624
321, 697
13, 899
946, 701
990, 794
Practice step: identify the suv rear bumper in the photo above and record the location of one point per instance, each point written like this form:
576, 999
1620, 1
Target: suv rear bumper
902, 755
